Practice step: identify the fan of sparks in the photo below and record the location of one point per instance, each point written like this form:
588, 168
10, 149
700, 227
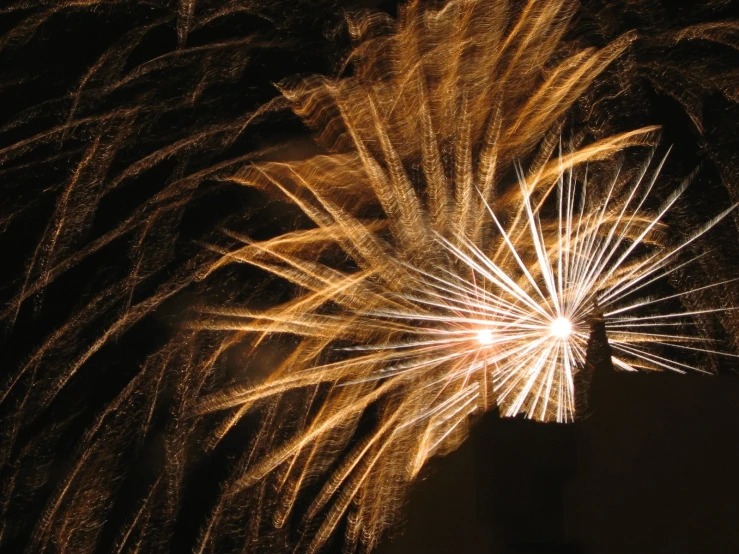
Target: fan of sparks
438, 277
424, 342
449, 248
501, 322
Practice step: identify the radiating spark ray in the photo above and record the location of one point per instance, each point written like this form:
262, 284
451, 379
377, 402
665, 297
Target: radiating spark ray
652, 301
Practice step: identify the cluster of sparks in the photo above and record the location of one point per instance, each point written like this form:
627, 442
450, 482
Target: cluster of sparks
455, 258
467, 292
504, 323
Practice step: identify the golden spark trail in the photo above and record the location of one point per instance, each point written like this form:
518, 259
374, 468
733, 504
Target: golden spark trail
472, 292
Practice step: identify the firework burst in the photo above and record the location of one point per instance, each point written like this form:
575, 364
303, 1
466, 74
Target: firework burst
446, 255
429, 287
503, 322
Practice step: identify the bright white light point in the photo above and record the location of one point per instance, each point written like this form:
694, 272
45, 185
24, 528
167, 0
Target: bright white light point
485, 336
561, 328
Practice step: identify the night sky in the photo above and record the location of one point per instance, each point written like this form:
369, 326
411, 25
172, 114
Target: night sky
653, 467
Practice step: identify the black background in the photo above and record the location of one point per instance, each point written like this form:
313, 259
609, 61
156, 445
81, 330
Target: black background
653, 468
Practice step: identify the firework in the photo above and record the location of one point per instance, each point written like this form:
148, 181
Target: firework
446, 289
446, 252
503, 322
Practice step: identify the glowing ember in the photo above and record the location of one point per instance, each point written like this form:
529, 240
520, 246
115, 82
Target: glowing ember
561, 328
485, 337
